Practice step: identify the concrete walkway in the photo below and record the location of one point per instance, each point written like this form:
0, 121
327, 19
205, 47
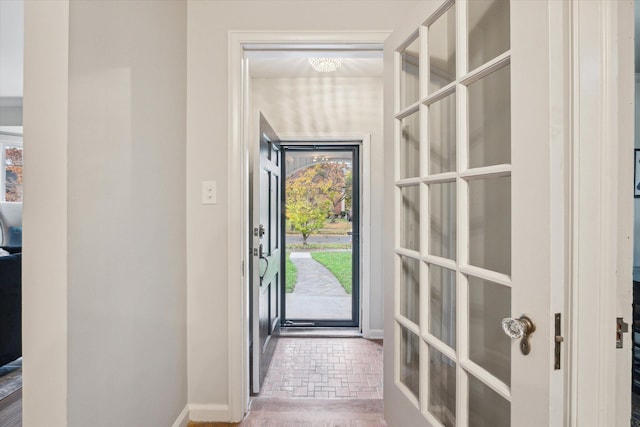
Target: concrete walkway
317, 294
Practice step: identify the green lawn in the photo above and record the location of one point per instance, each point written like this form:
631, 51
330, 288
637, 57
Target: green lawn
291, 274
339, 263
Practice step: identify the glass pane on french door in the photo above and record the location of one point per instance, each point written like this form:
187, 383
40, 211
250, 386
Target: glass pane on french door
453, 214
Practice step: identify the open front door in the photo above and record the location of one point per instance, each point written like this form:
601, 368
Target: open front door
475, 230
266, 249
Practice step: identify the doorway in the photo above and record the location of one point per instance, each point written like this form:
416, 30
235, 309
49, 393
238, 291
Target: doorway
335, 121
321, 233
343, 106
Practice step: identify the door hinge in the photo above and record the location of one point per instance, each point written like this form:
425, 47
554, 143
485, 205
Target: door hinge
557, 339
621, 329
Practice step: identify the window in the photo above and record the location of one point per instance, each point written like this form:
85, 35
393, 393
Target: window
10, 168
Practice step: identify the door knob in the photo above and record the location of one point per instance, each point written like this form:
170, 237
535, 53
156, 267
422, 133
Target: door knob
519, 328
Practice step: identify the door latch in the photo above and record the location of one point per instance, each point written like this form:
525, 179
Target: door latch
558, 339
621, 329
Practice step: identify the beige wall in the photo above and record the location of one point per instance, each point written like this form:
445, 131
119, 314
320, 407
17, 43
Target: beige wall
105, 246
44, 278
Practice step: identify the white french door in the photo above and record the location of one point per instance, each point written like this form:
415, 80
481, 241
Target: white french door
478, 230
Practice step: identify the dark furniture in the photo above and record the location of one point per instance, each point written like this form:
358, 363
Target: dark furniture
11, 305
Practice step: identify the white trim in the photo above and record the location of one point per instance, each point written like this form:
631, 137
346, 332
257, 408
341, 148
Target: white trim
365, 212
183, 418
326, 137
209, 412
238, 192
560, 264
238, 269
374, 334
11, 130
11, 139
602, 143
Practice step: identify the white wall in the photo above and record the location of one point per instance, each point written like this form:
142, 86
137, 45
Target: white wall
105, 214
346, 106
207, 154
11, 61
11, 47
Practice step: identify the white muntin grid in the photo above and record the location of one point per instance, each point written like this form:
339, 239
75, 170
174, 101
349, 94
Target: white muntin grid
461, 177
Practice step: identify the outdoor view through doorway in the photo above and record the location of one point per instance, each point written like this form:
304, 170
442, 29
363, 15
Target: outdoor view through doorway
321, 235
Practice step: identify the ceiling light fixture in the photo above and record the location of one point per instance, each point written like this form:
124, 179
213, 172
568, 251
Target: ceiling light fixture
325, 65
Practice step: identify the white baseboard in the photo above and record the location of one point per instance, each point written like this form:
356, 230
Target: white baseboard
376, 334
183, 418
210, 413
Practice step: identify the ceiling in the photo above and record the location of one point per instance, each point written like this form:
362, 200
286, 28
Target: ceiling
270, 68
293, 61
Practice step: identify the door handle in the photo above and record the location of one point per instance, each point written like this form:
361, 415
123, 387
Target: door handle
261, 257
522, 327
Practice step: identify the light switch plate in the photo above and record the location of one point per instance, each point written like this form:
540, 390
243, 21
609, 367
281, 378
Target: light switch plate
209, 196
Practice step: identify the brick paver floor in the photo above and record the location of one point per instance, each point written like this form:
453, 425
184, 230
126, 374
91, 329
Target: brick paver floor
349, 368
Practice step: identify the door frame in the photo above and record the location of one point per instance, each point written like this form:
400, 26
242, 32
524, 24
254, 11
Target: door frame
601, 223
365, 216
326, 144
239, 127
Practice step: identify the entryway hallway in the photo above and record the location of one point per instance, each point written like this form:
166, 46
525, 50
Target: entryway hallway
319, 382
320, 368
